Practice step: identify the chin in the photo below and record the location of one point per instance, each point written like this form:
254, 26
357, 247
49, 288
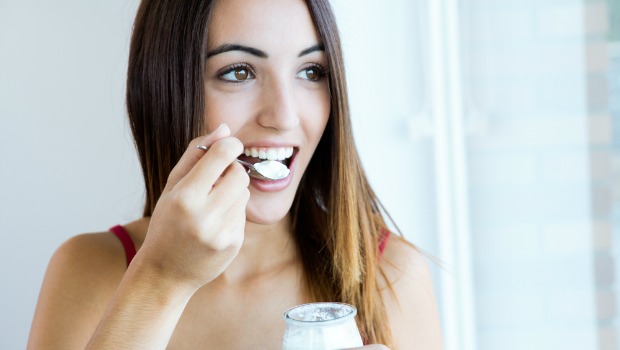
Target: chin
268, 211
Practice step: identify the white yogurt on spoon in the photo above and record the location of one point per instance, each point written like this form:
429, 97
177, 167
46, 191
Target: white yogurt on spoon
272, 169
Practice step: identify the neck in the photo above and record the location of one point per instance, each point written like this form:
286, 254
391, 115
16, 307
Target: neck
267, 249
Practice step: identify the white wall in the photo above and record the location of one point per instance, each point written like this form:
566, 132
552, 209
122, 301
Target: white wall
68, 163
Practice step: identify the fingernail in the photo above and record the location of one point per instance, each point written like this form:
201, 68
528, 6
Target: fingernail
223, 125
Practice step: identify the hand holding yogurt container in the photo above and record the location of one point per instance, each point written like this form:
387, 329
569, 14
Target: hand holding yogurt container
321, 326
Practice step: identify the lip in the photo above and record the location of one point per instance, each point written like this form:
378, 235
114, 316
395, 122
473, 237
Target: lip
277, 185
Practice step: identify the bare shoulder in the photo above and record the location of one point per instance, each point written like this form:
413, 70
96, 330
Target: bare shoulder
81, 277
100, 250
409, 297
403, 260
91, 257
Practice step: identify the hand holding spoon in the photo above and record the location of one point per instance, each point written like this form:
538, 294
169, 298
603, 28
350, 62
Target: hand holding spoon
270, 170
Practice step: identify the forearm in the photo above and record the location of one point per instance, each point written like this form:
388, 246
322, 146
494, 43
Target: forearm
142, 314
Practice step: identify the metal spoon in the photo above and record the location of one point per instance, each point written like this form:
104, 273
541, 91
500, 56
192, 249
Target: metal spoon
270, 170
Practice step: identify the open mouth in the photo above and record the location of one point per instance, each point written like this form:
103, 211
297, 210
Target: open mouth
255, 155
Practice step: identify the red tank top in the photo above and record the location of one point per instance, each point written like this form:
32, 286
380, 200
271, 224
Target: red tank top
130, 248
384, 235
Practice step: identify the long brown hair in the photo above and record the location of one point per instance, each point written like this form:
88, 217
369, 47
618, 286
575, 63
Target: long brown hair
336, 217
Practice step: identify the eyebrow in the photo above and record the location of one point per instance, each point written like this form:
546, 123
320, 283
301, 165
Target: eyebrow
317, 47
237, 47
256, 52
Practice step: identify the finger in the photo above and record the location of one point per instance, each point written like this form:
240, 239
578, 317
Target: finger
231, 230
229, 188
241, 205
193, 154
221, 154
235, 216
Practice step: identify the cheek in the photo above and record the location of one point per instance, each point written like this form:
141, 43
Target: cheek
219, 109
320, 127
316, 114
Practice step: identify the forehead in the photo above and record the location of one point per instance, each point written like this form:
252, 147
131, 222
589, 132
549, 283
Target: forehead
266, 24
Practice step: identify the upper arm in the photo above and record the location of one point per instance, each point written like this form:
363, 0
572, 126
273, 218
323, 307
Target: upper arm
80, 279
410, 303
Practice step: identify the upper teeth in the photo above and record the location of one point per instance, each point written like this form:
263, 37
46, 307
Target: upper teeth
279, 153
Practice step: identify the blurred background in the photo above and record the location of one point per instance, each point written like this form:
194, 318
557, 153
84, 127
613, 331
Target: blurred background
489, 129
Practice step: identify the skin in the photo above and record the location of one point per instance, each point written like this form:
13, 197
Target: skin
217, 260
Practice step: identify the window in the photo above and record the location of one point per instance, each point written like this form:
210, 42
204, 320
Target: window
498, 123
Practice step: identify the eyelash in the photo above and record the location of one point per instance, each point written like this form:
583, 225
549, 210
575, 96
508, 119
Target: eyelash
322, 72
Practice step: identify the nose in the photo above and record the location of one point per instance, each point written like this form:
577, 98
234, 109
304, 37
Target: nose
278, 105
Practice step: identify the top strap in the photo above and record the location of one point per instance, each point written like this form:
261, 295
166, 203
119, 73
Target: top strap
130, 249
384, 235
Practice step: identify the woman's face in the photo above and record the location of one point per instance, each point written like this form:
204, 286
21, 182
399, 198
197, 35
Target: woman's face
266, 78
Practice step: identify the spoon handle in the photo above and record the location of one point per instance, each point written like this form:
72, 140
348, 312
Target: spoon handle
249, 165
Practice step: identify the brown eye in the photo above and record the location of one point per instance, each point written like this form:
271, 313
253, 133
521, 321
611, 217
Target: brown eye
311, 73
237, 74
241, 74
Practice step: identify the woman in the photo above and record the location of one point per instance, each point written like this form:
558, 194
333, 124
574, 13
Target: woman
220, 255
